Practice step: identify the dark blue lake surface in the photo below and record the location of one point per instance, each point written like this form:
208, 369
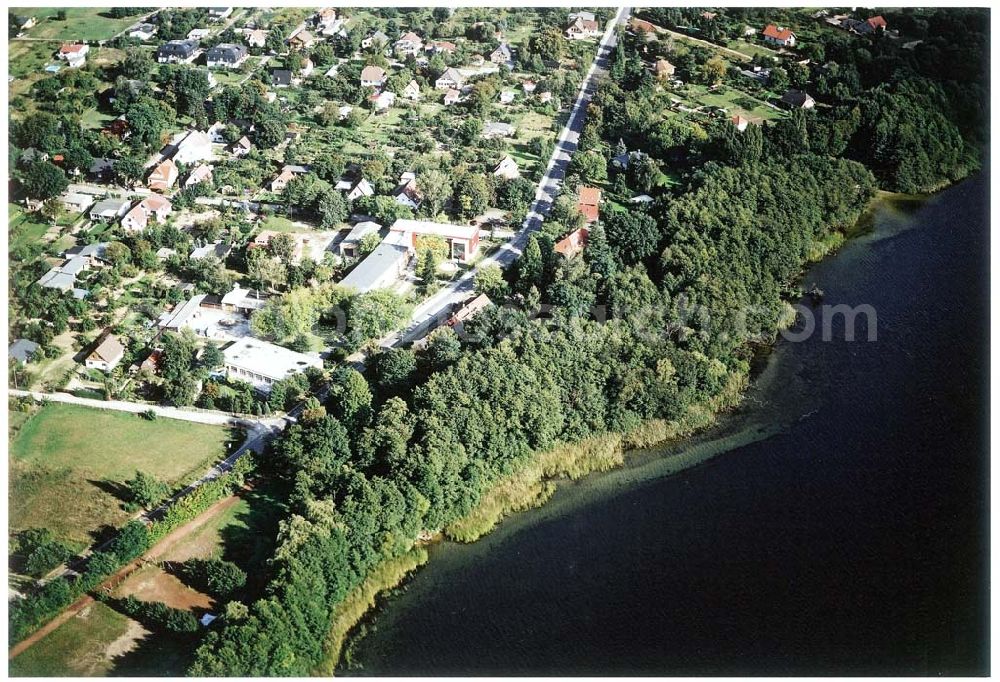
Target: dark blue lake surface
840, 528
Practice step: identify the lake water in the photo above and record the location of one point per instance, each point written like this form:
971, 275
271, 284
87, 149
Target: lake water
840, 528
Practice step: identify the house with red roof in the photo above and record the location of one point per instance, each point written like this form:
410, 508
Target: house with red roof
163, 176
75, 55
589, 203
573, 243
779, 36
877, 23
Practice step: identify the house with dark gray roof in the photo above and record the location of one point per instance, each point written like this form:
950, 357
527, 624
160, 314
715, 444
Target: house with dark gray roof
176, 51
281, 78
226, 56
22, 350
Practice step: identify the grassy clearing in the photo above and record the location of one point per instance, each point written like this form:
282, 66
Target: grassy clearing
83, 646
67, 461
734, 101
82, 23
349, 612
22, 228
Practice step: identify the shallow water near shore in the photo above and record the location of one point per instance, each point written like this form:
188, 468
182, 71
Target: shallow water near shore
836, 523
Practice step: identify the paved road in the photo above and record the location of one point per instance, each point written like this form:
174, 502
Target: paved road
435, 310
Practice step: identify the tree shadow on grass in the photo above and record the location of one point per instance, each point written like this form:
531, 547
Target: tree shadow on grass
116, 489
250, 542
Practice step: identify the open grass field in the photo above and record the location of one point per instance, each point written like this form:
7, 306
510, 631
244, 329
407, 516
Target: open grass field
67, 463
82, 23
101, 642
733, 100
84, 646
22, 229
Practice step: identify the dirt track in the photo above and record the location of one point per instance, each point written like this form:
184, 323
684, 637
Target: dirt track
117, 578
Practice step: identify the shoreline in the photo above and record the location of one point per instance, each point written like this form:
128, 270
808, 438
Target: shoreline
539, 477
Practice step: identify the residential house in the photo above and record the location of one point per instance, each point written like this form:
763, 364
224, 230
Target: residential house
507, 169
663, 69
779, 36
372, 77
350, 244
260, 363
545, 97
199, 34
226, 56
327, 16
573, 243
501, 55
877, 23
107, 354
22, 350
467, 312
76, 202
255, 37
383, 100
152, 363
153, 206
740, 122
589, 202
57, 279
102, 170
406, 193
93, 254
494, 129
581, 28
242, 300
529, 87
452, 97
450, 79
281, 78
796, 99
344, 111
307, 68
176, 51
193, 147
381, 268
163, 176
355, 188
586, 16
507, 96
219, 13
376, 40
301, 40
463, 240
241, 147
75, 55
287, 174
409, 44
217, 133
440, 46
218, 250
108, 210
411, 91
202, 173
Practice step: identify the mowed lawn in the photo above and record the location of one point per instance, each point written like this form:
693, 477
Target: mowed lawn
82, 23
67, 463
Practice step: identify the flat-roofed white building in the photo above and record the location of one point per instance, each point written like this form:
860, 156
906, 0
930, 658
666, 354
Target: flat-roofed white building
463, 240
261, 363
